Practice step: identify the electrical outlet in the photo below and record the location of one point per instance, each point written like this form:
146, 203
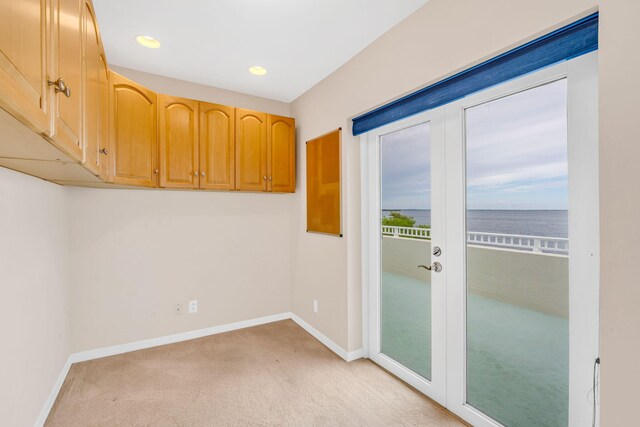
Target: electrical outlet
193, 306
315, 305
178, 309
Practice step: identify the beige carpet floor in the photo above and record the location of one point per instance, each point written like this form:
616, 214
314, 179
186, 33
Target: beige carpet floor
270, 375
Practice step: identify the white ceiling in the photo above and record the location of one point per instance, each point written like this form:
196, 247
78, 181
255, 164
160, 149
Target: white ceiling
214, 42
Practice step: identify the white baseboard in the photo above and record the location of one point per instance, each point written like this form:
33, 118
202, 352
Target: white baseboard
347, 356
84, 356
170, 339
48, 404
355, 355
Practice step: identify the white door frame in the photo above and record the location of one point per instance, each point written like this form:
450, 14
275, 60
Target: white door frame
582, 105
371, 228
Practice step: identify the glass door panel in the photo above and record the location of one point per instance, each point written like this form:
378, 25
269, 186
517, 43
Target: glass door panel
405, 288
517, 253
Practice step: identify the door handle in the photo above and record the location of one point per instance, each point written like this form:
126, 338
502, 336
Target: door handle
436, 266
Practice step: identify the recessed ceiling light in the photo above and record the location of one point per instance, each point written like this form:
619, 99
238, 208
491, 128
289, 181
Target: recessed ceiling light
149, 42
257, 70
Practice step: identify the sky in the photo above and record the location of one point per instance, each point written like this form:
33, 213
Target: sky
516, 153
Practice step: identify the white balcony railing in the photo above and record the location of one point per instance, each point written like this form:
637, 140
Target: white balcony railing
513, 241
412, 232
537, 244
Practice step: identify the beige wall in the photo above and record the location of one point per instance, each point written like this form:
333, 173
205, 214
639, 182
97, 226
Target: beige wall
619, 60
441, 38
34, 290
137, 253
169, 86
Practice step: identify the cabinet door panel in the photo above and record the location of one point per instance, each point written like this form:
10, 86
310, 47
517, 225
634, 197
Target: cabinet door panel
132, 133
281, 154
217, 147
23, 62
67, 51
251, 150
92, 59
178, 142
103, 118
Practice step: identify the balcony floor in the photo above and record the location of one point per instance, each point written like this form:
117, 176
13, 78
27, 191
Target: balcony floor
517, 358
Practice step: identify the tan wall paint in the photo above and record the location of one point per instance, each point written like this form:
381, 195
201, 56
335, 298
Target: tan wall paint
174, 87
619, 60
441, 38
34, 290
136, 253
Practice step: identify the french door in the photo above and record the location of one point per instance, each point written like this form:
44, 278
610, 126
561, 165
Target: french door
480, 249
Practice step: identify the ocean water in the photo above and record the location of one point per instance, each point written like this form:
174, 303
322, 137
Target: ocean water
545, 223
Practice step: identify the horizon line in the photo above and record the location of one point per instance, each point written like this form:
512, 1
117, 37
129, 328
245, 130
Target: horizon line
420, 209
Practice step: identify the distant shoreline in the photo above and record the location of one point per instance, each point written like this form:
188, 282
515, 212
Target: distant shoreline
511, 210
523, 222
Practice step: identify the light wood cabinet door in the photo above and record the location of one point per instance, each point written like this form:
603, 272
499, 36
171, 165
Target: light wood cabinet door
251, 150
103, 119
281, 154
91, 92
178, 137
67, 65
132, 133
23, 62
217, 147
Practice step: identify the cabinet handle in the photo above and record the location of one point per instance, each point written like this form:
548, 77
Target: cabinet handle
264, 177
201, 173
156, 171
270, 178
104, 151
195, 173
60, 87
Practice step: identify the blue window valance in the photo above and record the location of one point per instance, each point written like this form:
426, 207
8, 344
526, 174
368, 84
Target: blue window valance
568, 42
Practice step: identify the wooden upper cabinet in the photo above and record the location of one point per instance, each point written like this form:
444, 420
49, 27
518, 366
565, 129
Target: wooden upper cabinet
91, 77
251, 150
281, 154
67, 67
132, 133
178, 126
23, 62
103, 117
217, 147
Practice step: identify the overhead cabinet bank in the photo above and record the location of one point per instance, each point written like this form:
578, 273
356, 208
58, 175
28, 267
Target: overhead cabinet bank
99, 127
